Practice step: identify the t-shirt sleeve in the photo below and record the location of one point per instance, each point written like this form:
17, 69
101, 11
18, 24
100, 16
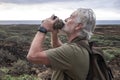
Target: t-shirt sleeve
60, 57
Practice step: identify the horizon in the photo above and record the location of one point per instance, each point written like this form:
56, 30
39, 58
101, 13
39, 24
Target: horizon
38, 22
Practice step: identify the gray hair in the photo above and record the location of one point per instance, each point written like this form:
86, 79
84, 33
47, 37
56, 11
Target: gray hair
88, 19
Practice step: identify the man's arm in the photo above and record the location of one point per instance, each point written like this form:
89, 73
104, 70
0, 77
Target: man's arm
55, 41
36, 54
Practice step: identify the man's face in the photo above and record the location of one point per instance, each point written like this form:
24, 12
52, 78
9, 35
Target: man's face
70, 23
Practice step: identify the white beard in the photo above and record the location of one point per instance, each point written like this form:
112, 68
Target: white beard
65, 29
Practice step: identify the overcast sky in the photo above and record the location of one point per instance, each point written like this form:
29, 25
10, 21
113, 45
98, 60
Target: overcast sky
41, 9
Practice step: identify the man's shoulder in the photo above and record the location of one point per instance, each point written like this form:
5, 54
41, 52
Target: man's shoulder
64, 49
68, 46
72, 45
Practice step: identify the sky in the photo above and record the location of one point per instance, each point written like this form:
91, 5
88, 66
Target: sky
41, 9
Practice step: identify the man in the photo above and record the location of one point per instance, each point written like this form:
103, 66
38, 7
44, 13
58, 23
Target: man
68, 61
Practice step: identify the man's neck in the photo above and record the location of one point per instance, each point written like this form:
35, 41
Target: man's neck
71, 37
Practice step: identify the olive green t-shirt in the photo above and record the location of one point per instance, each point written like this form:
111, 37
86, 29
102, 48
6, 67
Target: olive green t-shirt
69, 59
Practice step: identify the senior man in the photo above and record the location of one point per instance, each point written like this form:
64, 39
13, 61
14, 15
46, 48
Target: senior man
68, 61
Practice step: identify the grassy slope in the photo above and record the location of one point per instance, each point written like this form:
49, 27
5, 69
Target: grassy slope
106, 37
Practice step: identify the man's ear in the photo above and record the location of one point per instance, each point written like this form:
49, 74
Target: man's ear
79, 26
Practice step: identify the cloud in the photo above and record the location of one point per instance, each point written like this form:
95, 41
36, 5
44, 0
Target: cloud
34, 1
32, 12
40, 9
104, 4
106, 15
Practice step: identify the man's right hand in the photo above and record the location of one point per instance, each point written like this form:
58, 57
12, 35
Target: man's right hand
48, 23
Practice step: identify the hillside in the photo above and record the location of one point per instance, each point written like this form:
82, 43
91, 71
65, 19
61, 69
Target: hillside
15, 41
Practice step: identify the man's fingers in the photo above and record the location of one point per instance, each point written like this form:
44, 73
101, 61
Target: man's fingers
56, 19
52, 17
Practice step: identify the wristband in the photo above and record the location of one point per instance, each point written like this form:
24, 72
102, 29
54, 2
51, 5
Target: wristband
42, 29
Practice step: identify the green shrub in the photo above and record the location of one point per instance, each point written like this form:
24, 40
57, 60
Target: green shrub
112, 37
19, 39
22, 77
4, 69
106, 40
111, 53
3, 34
2, 74
20, 67
13, 39
108, 56
6, 57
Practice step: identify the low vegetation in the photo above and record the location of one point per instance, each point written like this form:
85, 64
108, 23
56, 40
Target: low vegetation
15, 41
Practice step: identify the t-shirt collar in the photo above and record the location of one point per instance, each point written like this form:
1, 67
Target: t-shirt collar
77, 39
